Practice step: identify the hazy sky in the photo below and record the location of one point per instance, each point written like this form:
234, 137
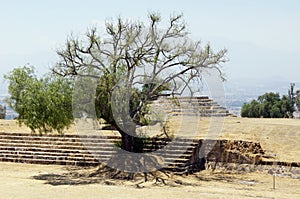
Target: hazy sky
262, 36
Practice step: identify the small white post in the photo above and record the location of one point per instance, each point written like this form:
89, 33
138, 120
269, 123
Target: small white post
274, 175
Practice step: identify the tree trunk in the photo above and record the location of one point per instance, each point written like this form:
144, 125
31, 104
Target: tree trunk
127, 142
128, 134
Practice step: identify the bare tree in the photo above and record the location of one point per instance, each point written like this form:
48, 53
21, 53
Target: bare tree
132, 54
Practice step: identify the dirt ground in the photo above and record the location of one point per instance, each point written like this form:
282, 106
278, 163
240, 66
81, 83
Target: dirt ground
279, 137
45, 181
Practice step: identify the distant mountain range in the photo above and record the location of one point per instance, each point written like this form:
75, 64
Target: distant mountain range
240, 91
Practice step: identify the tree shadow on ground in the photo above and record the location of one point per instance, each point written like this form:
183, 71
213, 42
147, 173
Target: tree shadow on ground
68, 179
76, 176
108, 177
73, 175
104, 174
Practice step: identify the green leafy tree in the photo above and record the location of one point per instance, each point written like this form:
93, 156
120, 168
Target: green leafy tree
245, 111
269, 105
42, 104
145, 58
297, 100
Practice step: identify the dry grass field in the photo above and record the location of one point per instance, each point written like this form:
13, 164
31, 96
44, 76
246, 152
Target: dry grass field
279, 137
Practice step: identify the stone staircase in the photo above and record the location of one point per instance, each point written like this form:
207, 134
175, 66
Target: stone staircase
181, 155
76, 150
177, 154
51, 149
201, 106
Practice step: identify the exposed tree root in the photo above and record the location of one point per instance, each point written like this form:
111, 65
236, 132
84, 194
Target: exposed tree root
105, 172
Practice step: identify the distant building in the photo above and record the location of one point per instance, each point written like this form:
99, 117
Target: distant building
296, 114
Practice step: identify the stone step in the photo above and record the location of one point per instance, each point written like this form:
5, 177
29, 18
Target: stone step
68, 136
177, 149
170, 157
53, 150
175, 160
47, 157
186, 100
87, 150
186, 104
91, 159
35, 150
56, 143
20, 143
47, 153
176, 165
65, 138
200, 115
51, 146
184, 112
177, 143
174, 155
195, 108
61, 157
45, 161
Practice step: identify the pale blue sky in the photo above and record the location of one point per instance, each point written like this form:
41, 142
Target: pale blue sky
262, 36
